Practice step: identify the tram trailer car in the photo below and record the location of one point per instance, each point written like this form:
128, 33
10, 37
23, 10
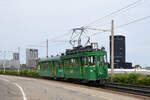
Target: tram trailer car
82, 63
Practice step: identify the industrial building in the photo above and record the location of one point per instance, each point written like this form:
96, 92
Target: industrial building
31, 58
15, 56
120, 52
11, 64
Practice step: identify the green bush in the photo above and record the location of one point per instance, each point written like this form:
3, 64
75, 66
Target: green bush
24, 73
1, 71
133, 78
143, 80
11, 72
121, 78
29, 73
33, 73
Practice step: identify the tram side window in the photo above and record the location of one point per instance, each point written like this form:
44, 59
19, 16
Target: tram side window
60, 64
91, 60
56, 64
76, 62
50, 64
99, 63
53, 63
41, 65
64, 63
67, 62
84, 61
72, 62
44, 65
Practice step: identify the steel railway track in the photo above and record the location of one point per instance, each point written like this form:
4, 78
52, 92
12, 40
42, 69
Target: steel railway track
133, 89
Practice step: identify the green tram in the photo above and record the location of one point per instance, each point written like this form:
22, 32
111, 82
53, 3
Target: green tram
82, 63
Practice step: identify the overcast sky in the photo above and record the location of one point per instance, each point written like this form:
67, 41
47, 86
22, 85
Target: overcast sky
30, 22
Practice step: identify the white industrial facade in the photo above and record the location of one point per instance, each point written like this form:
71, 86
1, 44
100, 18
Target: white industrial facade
31, 58
127, 71
9, 64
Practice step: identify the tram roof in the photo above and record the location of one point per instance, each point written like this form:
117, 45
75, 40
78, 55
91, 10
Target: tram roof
98, 53
56, 58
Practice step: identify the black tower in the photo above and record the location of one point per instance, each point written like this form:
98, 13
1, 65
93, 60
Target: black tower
119, 52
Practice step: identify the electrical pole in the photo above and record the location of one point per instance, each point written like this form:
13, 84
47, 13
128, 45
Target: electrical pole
112, 50
47, 48
19, 60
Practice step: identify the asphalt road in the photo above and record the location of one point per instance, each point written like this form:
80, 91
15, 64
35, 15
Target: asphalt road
20, 88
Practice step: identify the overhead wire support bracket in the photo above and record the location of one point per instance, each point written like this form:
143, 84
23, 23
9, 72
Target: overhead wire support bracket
77, 36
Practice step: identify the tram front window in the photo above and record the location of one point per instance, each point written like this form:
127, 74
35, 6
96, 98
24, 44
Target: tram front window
105, 59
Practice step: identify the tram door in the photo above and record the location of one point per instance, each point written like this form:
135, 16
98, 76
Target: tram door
54, 68
83, 66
